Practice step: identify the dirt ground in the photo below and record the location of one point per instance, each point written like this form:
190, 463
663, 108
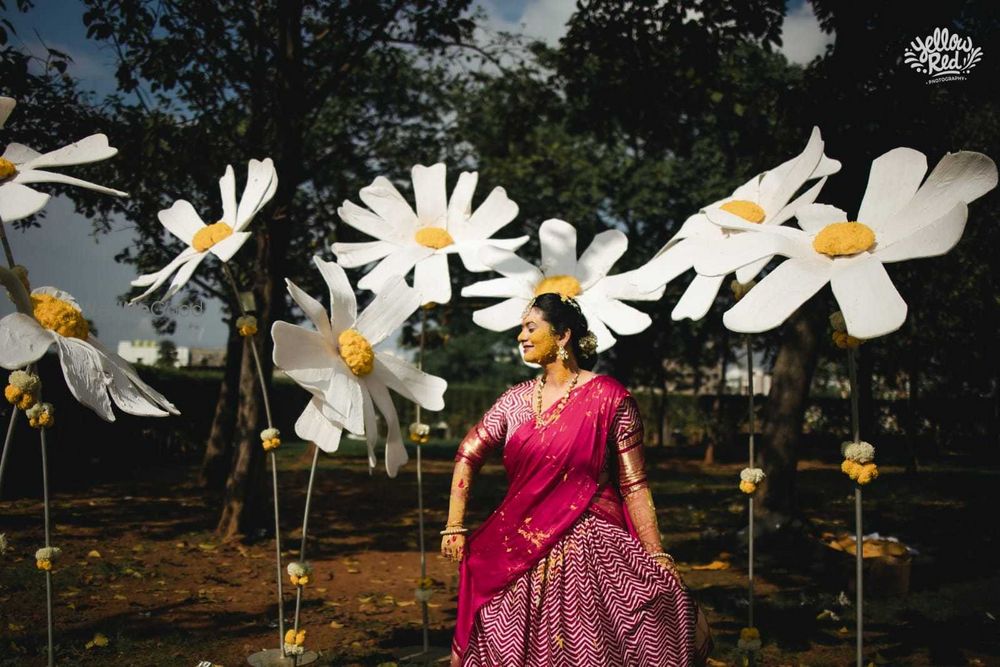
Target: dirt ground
141, 568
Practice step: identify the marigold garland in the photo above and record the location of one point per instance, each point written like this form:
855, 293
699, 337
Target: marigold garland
749, 640
22, 389
750, 478
294, 642
858, 462
270, 439
41, 415
420, 433
246, 325
45, 556
840, 337
299, 572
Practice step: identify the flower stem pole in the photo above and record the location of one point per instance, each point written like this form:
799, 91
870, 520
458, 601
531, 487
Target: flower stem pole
852, 368
305, 527
752, 428
420, 492
6, 245
48, 542
7, 444
274, 463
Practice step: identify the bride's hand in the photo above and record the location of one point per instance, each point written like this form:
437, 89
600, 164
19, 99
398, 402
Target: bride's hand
670, 566
453, 547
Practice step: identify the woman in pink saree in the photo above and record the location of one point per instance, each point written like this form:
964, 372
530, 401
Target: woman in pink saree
569, 570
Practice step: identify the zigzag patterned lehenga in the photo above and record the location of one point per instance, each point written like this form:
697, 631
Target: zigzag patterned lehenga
557, 576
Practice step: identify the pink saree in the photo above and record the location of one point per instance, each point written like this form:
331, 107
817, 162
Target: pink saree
555, 508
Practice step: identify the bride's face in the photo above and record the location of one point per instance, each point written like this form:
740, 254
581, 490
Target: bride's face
539, 342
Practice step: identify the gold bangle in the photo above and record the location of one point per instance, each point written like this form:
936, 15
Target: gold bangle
663, 554
454, 530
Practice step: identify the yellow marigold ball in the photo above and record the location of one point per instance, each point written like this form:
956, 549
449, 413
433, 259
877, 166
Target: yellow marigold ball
246, 325
749, 634
290, 637
561, 285
747, 210
433, 237
27, 401
43, 564
845, 341
850, 468
356, 352
59, 316
271, 443
7, 169
12, 394
209, 235
747, 487
867, 473
840, 239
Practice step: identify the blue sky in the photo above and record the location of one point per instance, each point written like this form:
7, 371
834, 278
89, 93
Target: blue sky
52, 253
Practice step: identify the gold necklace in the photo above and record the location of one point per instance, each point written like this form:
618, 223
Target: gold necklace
539, 384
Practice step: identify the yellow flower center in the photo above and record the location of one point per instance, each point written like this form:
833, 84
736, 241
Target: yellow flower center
7, 169
356, 352
745, 209
562, 285
209, 235
59, 316
844, 238
434, 237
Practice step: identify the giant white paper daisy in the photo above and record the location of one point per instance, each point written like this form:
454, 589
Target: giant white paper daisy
21, 165
765, 199
93, 373
340, 365
222, 238
586, 279
422, 240
898, 219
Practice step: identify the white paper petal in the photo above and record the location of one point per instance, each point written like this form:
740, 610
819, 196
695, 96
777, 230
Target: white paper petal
743, 249
495, 213
85, 376
398, 263
501, 316
790, 209
964, 176
623, 319
149, 402
7, 105
624, 286
374, 225
892, 182
409, 382
510, 265
229, 246
352, 255
19, 201
558, 241
227, 191
778, 295
605, 338
312, 309
869, 301
431, 194
156, 279
597, 260
181, 220
469, 251
935, 239
40, 176
383, 198
19, 154
460, 204
697, 298
666, 266
499, 288
262, 182
777, 190
304, 355
371, 427
345, 395
748, 272
395, 452
89, 149
313, 426
814, 217
343, 304
22, 341
184, 274
431, 279
387, 311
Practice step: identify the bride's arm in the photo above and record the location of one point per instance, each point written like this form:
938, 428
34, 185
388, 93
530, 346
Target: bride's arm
628, 435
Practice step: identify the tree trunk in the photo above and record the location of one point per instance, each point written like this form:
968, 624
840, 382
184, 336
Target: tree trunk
716, 431
219, 447
786, 404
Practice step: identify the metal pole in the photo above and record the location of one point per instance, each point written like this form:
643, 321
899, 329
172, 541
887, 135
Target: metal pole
852, 366
7, 444
48, 543
420, 491
750, 503
6, 245
305, 528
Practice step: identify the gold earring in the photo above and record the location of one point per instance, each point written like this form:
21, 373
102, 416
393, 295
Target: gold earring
562, 353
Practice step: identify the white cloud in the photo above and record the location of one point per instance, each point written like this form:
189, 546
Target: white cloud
802, 39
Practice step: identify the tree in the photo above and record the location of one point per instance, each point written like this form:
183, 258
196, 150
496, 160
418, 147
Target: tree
166, 355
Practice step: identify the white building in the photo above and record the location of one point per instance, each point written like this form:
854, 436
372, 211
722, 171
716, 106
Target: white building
146, 352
